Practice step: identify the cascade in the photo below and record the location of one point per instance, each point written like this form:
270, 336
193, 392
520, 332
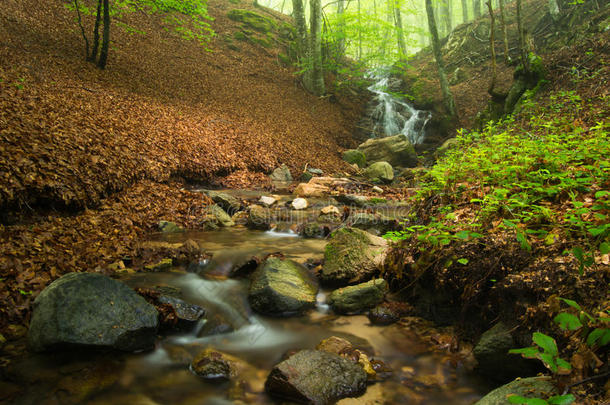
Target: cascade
390, 115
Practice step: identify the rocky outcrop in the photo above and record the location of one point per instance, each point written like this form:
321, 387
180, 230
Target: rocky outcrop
281, 174
281, 288
358, 298
396, 150
223, 218
352, 256
226, 201
88, 309
316, 377
380, 171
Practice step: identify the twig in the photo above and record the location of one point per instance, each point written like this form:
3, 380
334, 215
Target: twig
595, 377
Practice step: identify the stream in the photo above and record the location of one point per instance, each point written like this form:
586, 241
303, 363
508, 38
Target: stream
421, 374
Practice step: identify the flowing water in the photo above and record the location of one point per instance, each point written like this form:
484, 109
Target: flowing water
421, 374
391, 115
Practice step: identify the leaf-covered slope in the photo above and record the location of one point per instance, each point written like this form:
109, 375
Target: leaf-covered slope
71, 133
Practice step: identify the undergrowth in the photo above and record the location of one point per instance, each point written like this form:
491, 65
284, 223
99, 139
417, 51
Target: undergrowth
544, 176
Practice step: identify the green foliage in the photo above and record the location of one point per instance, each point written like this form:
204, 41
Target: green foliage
253, 20
594, 330
543, 178
545, 351
189, 18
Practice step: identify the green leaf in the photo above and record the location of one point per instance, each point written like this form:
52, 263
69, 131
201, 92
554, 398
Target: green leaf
527, 352
599, 336
523, 241
463, 261
561, 399
517, 399
567, 321
549, 361
563, 365
571, 303
462, 235
546, 342
604, 248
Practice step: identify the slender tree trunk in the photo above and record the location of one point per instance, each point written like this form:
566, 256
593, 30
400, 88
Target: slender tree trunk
492, 47
504, 33
359, 32
340, 29
298, 12
82, 29
317, 77
436, 47
402, 47
282, 7
96, 33
446, 13
105, 37
464, 11
522, 51
476, 7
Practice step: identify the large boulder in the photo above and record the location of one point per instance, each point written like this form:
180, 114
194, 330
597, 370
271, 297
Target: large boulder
352, 256
375, 222
354, 156
358, 298
533, 387
316, 377
311, 190
88, 309
380, 171
494, 360
226, 201
352, 200
282, 288
396, 150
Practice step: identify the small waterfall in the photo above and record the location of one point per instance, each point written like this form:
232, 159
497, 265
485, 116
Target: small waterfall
390, 115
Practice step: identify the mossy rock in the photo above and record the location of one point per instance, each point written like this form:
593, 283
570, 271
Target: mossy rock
352, 156
253, 20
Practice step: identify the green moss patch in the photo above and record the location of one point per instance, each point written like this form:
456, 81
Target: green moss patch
253, 20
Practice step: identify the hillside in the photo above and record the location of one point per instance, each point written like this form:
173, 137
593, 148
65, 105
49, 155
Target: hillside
74, 137
165, 106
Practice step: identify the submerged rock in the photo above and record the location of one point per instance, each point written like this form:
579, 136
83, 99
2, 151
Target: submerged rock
352, 200
352, 256
281, 288
226, 201
259, 218
220, 214
88, 309
358, 298
396, 150
380, 171
316, 377
346, 350
314, 230
169, 227
533, 387
187, 314
210, 364
389, 312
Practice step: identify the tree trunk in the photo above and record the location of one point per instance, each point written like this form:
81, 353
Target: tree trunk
105, 38
464, 11
492, 82
96, 33
402, 47
317, 76
446, 7
436, 47
298, 12
82, 29
522, 51
359, 33
476, 7
340, 29
504, 34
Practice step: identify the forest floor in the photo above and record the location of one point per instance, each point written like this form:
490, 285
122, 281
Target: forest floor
91, 160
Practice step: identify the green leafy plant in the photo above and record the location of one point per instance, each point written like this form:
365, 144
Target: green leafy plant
546, 351
554, 400
595, 330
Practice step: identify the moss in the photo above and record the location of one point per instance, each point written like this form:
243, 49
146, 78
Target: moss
284, 59
265, 43
234, 1
240, 36
375, 200
253, 20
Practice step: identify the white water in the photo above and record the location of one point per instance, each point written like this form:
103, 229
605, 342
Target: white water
393, 116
